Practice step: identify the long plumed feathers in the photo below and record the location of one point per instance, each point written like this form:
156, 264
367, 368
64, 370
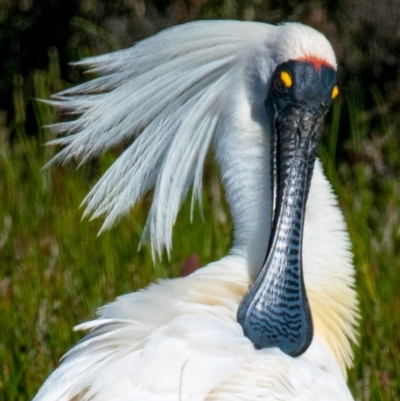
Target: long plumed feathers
167, 95
165, 99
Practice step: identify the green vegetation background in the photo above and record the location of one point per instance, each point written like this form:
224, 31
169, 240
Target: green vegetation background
54, 270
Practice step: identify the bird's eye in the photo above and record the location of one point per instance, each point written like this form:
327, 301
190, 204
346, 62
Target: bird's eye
286, 79
335, 92
283, 81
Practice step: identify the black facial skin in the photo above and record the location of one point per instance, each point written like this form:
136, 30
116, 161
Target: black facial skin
311, 86
275, 312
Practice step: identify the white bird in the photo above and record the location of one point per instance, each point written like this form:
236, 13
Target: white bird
273, 320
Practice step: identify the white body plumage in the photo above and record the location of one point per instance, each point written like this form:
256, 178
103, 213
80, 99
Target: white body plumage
174, 95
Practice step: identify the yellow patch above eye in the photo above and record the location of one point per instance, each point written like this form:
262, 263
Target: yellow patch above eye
335, 92
286, 79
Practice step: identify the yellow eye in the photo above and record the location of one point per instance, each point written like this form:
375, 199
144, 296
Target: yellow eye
286, 79
335, 92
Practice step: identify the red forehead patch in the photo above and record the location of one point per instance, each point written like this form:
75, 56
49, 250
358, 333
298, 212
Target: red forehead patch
317, 62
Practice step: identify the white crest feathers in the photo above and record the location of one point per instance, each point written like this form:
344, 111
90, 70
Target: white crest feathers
165, 98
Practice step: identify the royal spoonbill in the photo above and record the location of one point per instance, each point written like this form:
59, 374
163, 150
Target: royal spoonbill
273, 320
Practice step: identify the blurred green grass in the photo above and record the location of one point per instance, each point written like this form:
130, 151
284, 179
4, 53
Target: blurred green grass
55, 271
